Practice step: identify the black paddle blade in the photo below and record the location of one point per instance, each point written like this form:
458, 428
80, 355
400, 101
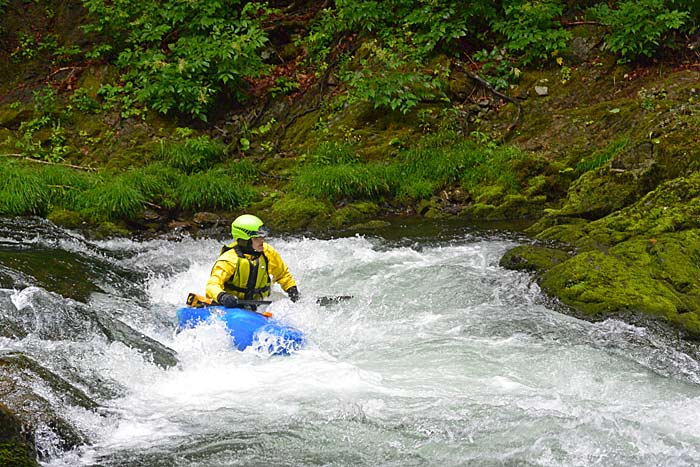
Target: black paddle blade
325, 301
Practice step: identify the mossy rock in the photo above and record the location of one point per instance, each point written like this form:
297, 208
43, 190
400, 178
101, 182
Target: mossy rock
353, 213
66, 218
16, 448
599, 192
658, 277
533, 258
292, 212
673, 206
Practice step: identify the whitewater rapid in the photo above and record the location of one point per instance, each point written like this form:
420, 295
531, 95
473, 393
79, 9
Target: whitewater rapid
442, 358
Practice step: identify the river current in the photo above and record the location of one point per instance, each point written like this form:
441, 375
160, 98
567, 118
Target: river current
441, 358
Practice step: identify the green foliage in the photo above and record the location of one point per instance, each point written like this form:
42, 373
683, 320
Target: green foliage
353, 181
638, 28
390, 78
214, 189
194, 154
114, 197
601, 157
330, 152
82, 101
21, 191
47, 119
390, 68
532, 29
180, 56
497, 68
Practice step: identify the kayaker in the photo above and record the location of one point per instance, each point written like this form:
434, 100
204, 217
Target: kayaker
247, 266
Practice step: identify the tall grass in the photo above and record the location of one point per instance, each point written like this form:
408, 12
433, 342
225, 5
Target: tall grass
354, 181
216, 189
65, 186
434, 163
194, 154
22, 191
113, 198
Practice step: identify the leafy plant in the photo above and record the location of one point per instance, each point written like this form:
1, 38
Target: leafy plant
638, 28
532, 29
179, 56
497, 67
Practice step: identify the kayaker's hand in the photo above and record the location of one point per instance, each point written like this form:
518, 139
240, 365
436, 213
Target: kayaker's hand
227, 300
293, 293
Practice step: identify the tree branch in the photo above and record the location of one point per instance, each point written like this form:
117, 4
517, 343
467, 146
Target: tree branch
38, 161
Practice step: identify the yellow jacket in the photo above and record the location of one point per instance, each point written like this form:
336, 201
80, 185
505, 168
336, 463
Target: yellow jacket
223, 274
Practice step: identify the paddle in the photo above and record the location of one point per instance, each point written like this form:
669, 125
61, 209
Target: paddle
332, 300
199, 301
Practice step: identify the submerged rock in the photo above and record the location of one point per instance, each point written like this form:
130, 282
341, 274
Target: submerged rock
38, 397
51, 317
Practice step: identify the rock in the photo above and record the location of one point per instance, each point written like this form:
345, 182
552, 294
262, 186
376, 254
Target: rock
206, 218
16, 446
19, 376
533, 258
541, 90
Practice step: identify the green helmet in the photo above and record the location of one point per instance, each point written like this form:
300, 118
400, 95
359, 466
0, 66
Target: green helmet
247, 226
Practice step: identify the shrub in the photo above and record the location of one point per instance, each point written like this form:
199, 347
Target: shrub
531, 29
179, 56
638, 28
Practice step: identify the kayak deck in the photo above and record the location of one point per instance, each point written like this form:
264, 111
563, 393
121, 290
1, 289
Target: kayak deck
246, 328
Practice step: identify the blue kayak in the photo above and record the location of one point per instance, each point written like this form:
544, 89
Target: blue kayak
247, 328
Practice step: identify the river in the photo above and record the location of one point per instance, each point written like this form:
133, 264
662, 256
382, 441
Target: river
442, 358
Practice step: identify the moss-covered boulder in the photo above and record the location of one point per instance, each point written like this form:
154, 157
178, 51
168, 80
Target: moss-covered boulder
533, 258
659, 276
292, 212
599, 192
16, 446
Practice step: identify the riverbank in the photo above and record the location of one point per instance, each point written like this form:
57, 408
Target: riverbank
601, 157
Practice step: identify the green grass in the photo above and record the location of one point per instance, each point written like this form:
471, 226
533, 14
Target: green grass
434, 163
22, 191
193, 155
114, 198
354, 181
602, 156
215, 189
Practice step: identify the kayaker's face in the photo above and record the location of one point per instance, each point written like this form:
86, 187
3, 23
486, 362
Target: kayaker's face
257, 243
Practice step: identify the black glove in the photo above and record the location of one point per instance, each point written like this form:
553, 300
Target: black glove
227, 300
293, 293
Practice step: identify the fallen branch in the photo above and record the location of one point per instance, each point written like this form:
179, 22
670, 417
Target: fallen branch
39, 161
491, 89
